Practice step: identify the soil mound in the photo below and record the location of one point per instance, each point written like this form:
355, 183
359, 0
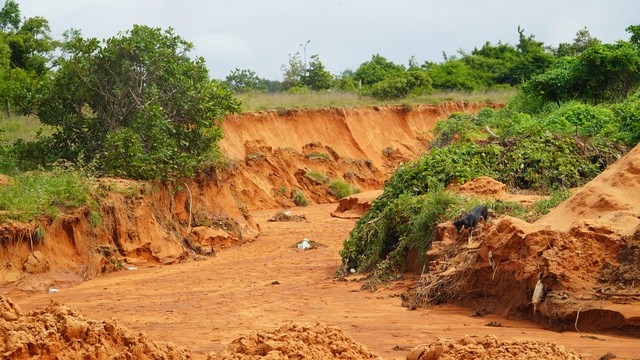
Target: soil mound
296, 341
490, 347
484, 185
60, 332
353, 207
611, 198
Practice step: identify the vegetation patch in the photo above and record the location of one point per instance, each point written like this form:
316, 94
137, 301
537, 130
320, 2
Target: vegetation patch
319, 177
318, 155
542, 146
341, 189
299, 198
35, 193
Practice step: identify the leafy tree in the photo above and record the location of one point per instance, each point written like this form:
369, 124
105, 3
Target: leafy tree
453, 75
608, 72
135, 105
317, 78
10, 16
346, 81
581, 42
32, 45
534, 59
634, 30
294, 72
376, 70
244, 80
25, 50
413, 81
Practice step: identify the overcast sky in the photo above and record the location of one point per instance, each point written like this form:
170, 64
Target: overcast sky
260, 34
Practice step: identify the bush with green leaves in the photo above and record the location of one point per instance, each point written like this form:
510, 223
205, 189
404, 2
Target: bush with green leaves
393, 226
341, 189
136, 105
299, 198
601, 73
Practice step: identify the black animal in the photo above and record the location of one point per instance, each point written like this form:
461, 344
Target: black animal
471, 220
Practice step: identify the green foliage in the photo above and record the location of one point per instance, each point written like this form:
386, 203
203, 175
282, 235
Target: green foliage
341, 189
137, 106
299, 199
454, 75
293, 73
319, 177
628, 114
393, 226
317, 78
10, 16
39, 193
554, 149
377, 70
581, 42
245, 80
318, 155
543, 207
601, 73
415, 81
95, 218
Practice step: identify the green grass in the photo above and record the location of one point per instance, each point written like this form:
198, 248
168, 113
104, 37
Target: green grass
21, 127
318, 155
256, 101
319, 177
31, 194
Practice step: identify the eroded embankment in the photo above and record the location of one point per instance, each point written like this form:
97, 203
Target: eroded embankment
362, 146
584, 256
273, 158
138, 223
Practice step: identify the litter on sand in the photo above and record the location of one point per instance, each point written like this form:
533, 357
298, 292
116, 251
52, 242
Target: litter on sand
304, 244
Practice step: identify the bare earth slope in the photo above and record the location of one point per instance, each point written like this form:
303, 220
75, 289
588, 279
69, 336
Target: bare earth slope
362, 146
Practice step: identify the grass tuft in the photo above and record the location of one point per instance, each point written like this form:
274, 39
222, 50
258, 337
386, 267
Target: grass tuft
36, 193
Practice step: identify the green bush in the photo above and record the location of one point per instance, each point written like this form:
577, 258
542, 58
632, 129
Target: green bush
341, 189
398, 225
601, 73
135, 105
321, 178
299, 199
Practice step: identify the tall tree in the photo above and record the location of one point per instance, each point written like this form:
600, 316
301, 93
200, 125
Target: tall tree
136, 105
10, 16
293, 72
581, 42
317, 77
244, 80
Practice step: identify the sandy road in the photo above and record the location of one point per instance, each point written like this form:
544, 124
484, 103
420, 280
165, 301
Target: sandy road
203, 305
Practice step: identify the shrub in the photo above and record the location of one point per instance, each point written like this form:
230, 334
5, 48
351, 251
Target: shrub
318, 155
148, 111
341, 189
299, 199
386, 235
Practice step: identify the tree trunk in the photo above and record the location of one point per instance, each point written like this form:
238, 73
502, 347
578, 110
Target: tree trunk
8, 107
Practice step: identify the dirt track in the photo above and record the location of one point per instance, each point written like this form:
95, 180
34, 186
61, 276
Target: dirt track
204, 305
